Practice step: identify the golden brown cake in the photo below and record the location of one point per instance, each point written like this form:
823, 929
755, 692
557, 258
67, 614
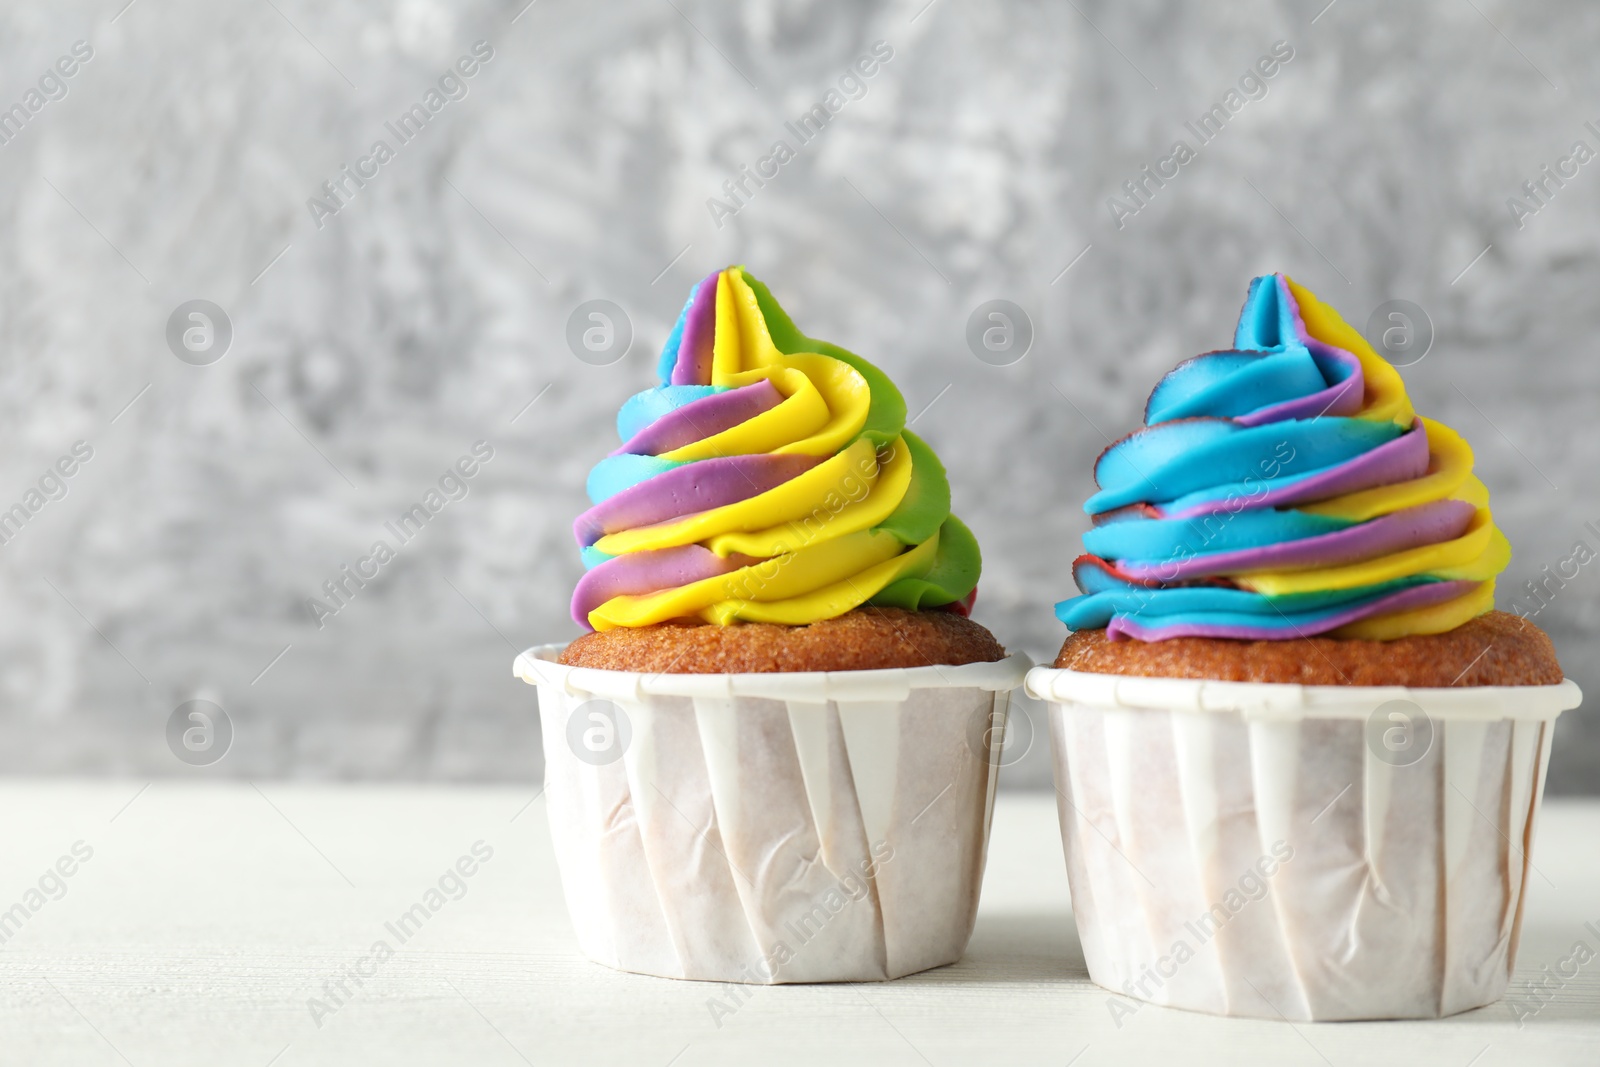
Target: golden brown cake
1493, 649
864, 639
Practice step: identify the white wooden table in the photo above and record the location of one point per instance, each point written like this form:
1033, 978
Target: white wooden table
210, 914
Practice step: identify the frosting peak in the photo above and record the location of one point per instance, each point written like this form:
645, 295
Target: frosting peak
769, 477
1282, 488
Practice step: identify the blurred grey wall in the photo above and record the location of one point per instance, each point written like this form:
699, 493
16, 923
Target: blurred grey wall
377, 337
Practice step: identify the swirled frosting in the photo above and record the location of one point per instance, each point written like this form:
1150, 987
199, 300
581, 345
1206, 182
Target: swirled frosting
768, 478
1283, 488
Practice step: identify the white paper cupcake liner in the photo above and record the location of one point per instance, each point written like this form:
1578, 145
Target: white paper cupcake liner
1286, 851
768, 828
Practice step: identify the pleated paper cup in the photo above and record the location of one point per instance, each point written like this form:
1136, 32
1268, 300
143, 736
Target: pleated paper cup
1298, 852
768, 828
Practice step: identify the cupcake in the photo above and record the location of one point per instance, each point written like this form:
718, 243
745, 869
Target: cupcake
772, 755
1298, 754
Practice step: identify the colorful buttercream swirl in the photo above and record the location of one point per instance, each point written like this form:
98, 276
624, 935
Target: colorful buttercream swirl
768, 478
1284, 488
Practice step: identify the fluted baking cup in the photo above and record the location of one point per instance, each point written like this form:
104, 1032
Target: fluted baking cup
767, 828
1298, 852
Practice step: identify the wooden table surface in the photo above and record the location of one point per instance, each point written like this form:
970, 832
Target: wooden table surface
210, 923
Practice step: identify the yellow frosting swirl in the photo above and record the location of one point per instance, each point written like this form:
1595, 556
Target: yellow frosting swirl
768, 478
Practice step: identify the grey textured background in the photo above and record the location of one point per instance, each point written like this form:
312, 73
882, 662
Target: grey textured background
431, 309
